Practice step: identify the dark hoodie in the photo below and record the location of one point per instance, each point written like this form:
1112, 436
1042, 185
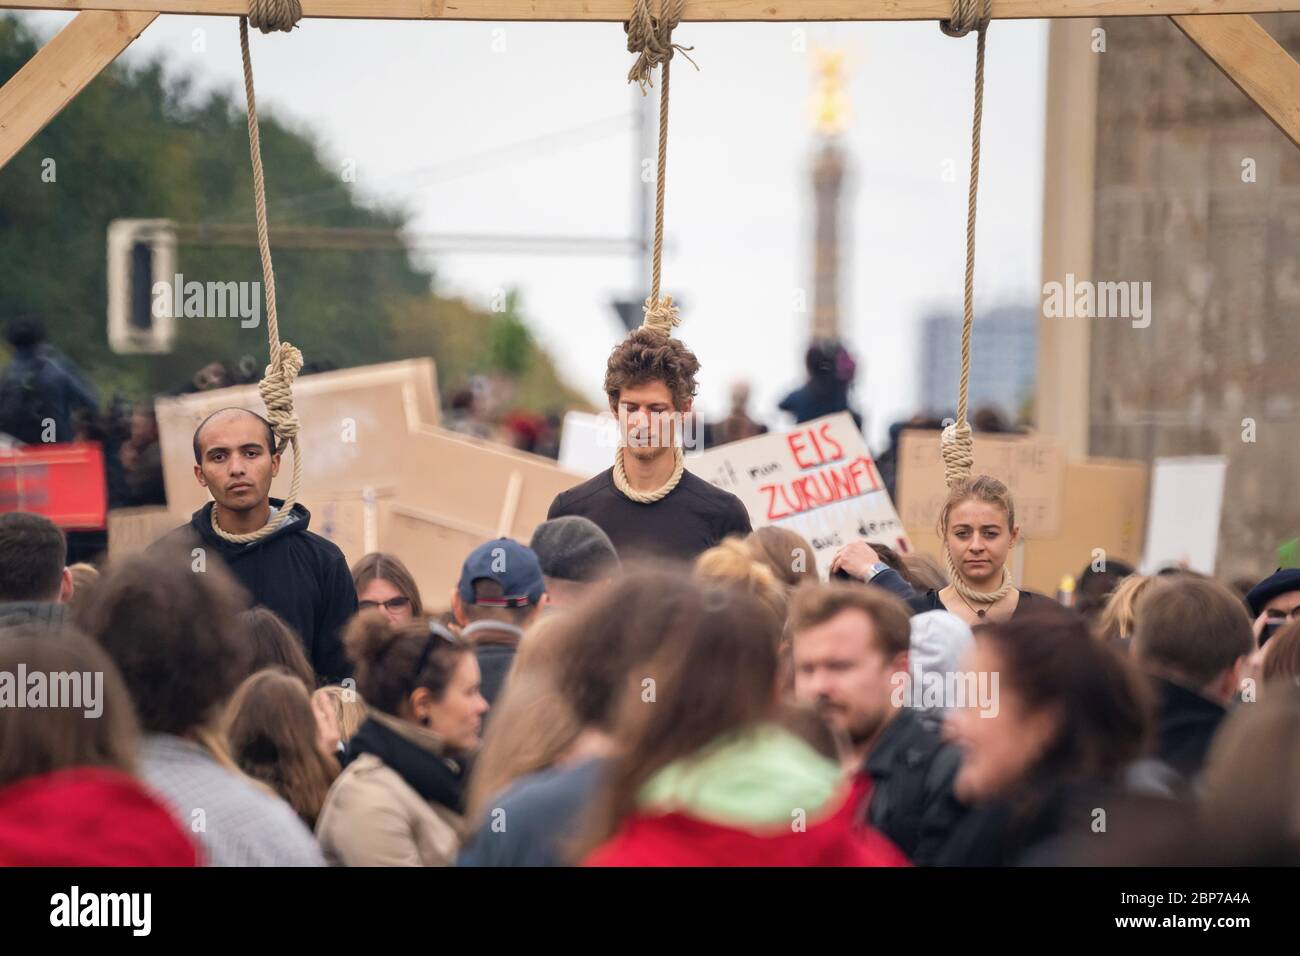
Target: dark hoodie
1187, 722
299, 575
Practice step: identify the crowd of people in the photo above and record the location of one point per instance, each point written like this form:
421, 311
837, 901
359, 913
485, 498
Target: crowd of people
648, 681
569, 707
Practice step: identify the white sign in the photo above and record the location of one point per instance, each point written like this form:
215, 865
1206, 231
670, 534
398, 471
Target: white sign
587, 442
1183, 523
818, 479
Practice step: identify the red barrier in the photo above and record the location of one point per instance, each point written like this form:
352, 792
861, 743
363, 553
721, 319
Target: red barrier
64, 482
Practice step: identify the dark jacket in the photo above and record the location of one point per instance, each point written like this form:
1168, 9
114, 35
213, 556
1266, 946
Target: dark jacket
39, 385
299, 575
531, 821
1187, 723
911, 771
495, 644
1030, 829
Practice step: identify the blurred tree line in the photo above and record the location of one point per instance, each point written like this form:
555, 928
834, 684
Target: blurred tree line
140, 144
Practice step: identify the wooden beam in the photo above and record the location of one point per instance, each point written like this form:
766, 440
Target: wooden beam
616, 11
1061, 397
60, 70
1258, 65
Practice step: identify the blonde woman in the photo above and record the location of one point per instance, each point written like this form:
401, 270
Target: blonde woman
977, 530
1119, 618
733, 563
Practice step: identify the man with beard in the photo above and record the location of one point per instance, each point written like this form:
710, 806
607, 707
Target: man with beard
648, 503
850, 649
299, 575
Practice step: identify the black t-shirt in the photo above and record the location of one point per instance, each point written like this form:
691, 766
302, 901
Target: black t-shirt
692, 518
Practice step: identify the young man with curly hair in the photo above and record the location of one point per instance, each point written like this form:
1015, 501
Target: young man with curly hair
648, 503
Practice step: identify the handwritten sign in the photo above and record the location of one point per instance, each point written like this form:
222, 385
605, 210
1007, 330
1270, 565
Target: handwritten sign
1032, 468
818, 479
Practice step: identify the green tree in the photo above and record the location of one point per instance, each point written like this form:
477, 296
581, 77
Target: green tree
139, 143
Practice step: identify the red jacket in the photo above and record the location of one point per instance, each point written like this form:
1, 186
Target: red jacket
677, 839
89, 816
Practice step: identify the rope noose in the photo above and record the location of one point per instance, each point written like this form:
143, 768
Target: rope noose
956, 443
276, 386
651, 39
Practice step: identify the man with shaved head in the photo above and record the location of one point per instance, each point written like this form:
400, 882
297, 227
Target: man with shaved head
298, 574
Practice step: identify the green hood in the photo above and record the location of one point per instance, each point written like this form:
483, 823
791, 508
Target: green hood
757, 777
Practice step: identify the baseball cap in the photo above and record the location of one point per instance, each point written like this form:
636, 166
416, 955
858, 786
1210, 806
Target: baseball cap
511, 565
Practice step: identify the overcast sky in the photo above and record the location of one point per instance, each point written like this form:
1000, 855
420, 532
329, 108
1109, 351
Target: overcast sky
401, 100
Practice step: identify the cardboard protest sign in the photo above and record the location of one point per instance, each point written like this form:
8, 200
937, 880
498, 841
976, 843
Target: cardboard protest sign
1102, 518
818, 479
457, 492
134, 529
1033, 468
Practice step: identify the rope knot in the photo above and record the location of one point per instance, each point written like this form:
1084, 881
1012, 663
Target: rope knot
967, 15
276, 389
270, 16
661, 315
958, 449
652, 38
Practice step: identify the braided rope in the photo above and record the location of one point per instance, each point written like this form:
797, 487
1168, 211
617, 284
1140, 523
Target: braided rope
276, 386
272, 15
648, 497
651, 39
969, 593
956, 443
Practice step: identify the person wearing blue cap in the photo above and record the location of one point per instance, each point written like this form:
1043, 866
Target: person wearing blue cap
648, 503
501, 590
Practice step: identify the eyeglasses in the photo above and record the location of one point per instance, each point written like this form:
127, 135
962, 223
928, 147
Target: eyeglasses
392, 604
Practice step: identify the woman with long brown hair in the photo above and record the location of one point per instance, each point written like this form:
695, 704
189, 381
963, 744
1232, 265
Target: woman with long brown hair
273, 738
383, 583
786, 552
708, 775
275, 645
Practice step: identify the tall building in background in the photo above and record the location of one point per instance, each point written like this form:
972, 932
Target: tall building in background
1004, 349
831, 370
830, 118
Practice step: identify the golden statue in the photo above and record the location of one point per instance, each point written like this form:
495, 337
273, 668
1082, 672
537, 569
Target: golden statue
830, 102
